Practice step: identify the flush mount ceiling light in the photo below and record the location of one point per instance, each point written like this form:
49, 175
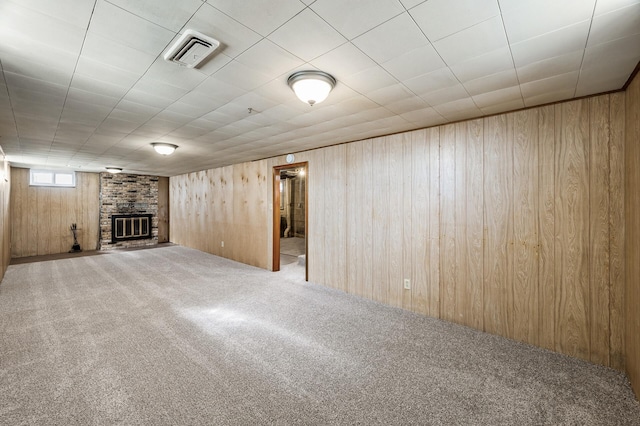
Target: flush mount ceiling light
164, 148
113, 170
311, 87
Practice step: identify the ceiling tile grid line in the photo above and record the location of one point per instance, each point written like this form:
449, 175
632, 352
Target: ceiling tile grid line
100, 92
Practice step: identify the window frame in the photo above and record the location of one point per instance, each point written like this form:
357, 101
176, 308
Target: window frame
53, 174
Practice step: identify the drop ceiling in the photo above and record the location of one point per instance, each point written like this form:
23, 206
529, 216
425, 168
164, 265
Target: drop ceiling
84, 84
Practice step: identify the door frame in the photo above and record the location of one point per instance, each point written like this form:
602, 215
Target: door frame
276, 215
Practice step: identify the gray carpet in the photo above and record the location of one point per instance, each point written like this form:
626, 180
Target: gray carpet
176, 336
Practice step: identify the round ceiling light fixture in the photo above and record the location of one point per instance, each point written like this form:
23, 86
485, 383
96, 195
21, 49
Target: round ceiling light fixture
113, 170
164, 148
311, 87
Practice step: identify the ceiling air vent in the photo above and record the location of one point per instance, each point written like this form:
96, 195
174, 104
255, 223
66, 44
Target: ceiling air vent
191, 49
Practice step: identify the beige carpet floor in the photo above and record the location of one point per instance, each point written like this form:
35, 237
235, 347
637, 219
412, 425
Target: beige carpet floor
174, 336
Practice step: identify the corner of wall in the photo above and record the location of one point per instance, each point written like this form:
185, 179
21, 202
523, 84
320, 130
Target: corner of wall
632, 235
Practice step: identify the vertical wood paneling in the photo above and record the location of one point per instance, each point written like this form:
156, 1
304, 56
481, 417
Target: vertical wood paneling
367, 219
616, 228
407, 224
511, 224
546, 233
433, 221
163, 209
525, 226
498, 249
381, 215
317, 230
45, 215
447, 222
5, 218
335, 206
632, 230
354, 189
475, 221
396, 220
461, 305
572, 230
598, 304
420, 189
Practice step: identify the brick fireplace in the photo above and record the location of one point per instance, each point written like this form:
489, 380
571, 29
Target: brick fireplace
125, 200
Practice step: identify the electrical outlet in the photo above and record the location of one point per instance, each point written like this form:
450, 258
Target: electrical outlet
407, 284
221, 243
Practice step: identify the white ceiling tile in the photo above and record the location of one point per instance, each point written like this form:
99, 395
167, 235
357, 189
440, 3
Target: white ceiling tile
550, 45
491, 83
408, 4
307, 36
263, 16
92, 97
434, 80
129, 30
54, 71
109, 52
353, 18
611, 5
213, 63
549, 97
234, 37
343, 61
242, 76
442, 18
73, 12
101, 88
407, 105
556, 83
166, 13
457, 110
617, 24
369, 80
172, 74
29, 29
498, 97
101, 72
425, 117
550, 67
443, 96
525, 19
390, 94
475, 41
607, 66
391, 39
414, 63
269, 58
487, 64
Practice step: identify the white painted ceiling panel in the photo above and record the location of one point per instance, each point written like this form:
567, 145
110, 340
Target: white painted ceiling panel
353, 18
85, 83
263, 16
441, 18
307, 36
525, 19
472, 42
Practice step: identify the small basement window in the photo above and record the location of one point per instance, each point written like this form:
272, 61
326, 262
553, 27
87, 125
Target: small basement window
52, 178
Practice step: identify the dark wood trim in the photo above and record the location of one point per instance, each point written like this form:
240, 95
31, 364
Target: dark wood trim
632, 76
276, 215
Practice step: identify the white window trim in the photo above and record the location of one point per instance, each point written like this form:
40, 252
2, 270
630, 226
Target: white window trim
53, 174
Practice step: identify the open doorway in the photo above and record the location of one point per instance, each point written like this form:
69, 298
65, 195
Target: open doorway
290, 207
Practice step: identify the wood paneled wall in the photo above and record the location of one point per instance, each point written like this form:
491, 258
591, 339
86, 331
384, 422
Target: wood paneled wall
511, 224
5, 226
163, 209
632, 223
41, 216
228, 204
